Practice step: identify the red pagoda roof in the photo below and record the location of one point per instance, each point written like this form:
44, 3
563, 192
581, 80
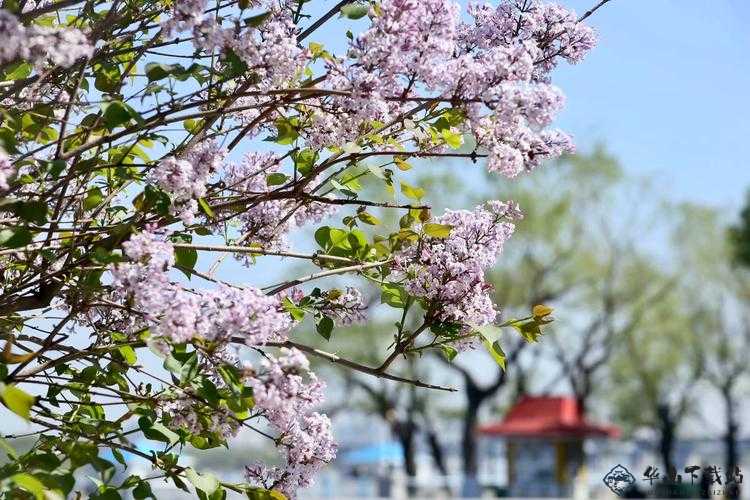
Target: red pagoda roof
547, 417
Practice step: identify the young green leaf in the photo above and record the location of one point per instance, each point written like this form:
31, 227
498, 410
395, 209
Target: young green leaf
437, 230
355, 10
17, 400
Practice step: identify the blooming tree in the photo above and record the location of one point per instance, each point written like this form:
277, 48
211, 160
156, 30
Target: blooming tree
132, 143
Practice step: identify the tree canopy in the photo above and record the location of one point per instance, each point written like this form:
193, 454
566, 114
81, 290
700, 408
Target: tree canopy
141, 139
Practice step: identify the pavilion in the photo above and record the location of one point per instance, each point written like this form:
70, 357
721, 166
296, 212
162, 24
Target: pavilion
544, 439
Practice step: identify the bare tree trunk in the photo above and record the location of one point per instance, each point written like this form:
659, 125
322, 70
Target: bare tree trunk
730, 439
405, 433
474, 399
666, 436
438, 456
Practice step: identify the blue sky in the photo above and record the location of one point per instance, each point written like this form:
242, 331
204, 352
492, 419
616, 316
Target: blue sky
667, 91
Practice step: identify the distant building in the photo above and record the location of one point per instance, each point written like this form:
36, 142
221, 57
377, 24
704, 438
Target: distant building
544, 439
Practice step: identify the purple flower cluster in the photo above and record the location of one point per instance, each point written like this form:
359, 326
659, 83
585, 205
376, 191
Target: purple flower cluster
240, 314
38, 44
346, 308
285, 390
182, 412
494, 70
186, 178
269, 50
266, 220
448, 273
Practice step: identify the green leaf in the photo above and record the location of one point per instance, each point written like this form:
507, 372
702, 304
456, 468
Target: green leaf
357, 239
368, 218
393, 295
56, 167
157, 431
495, 351
276, 179
449, 352
207, 483
401, 164
235, 65
263, 494
323, 237
93, 198
304, 160
118, 113
206, 208
490, 335
189, 368
529, 330
32, 211
186, 258
453, 139
107, 77
30, 484
231, 376
143, 490
355, 10
9, 450
192, 125
343, 189
159, 71
16, 71
17, 400
128, 354
15, 237
108, 493
412, 192
255, 21
324, 327
286, 132
297, 313
437, 230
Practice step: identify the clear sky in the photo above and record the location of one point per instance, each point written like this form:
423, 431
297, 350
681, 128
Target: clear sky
667, 89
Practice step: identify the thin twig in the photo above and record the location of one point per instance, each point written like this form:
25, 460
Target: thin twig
592, 10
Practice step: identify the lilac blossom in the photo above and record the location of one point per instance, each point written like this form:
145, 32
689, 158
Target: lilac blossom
185, 413
186, 178
37, 44
448, 273
285, 390
346, 307
220, 315
496, 68
266, 222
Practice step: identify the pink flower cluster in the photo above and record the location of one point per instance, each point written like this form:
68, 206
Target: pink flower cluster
448, 273
266, 220
38, 44
186, 178
285, 390
241, 314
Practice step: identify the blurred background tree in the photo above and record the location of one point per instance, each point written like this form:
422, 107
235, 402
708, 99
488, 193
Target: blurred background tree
651, 307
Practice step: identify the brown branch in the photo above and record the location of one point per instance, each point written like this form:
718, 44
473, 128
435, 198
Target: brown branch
336, 359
